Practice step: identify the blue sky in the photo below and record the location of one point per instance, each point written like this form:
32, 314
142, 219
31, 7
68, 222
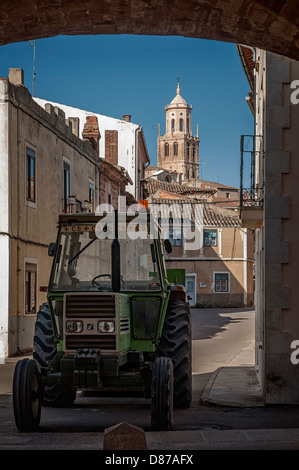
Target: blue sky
137, 75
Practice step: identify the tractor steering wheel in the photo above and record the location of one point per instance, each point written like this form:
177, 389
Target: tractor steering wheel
97, 284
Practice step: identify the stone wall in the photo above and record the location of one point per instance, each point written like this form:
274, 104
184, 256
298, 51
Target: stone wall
272, 26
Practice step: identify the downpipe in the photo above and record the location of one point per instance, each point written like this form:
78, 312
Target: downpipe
115, 256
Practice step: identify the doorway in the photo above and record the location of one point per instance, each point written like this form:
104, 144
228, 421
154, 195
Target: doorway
191, 288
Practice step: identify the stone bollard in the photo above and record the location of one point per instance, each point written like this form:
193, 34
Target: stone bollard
124, 436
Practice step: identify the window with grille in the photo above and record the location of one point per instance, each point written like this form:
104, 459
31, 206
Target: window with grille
30, 287
175, 237
210, 237
91, 194
221, 282
30, 175
175, 149
66, 183
166, 149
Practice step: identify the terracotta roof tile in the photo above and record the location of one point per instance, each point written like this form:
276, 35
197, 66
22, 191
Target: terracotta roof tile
212, 216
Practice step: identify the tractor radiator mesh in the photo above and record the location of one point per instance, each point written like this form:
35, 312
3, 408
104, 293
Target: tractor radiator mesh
90, 309
105, 343
92, 306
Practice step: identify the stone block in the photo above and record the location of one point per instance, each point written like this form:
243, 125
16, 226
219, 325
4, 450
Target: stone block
278, 71
276, 205
278, 116
278, 296
124, 436
274, 138
274, 94
278, 161
277, 252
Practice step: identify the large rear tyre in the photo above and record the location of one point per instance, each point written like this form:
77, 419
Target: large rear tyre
162, 395
26, 395
44, 351
176, 343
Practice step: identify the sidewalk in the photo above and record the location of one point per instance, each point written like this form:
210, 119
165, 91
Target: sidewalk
235, 384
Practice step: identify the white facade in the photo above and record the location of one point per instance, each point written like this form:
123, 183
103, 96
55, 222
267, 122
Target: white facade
128, 135
4, 222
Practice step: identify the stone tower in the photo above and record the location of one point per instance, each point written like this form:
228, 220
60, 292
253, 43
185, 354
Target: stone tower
178, 150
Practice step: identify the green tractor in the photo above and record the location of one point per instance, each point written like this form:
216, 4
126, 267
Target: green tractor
113, 322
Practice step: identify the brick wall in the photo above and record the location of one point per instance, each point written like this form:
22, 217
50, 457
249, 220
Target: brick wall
91, 132
111, 146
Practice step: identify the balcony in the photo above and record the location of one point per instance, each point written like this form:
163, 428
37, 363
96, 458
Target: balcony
251, 196
251, 208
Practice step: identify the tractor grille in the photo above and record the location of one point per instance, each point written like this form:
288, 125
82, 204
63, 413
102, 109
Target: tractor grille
99, 341
124, 325
90, 309
91, 306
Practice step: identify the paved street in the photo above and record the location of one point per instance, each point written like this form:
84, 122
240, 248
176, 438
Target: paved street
223, 357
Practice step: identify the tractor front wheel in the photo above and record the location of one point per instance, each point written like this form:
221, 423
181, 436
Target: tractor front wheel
26, 395
176, 344
44, 350
162, 395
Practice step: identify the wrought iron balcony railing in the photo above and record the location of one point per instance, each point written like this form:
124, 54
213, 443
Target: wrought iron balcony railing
251, 195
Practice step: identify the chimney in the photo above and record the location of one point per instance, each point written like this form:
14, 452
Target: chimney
111, 146
16, 76
127, 117
91, 132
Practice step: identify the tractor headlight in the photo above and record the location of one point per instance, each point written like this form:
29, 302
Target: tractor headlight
74, 326
106, 326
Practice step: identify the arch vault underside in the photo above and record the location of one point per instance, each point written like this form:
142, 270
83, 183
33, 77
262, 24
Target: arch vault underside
268, 24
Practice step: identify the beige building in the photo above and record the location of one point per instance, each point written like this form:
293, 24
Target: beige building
178, 149
219, 265
271, 207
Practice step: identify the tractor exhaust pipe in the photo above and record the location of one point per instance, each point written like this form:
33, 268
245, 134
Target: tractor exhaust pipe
115, 257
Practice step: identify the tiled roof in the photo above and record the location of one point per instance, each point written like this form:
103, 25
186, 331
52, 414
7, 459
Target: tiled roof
153, 186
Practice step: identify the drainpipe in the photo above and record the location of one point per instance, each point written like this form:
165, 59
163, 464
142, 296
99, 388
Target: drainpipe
18, 232
245, 258
137, 132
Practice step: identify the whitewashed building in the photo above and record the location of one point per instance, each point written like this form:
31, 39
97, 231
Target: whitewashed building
132, 153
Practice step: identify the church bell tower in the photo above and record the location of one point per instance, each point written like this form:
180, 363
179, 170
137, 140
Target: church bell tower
178, 150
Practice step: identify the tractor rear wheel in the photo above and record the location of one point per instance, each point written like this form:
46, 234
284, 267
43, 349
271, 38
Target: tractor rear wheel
162, 395
26, 395
44, 351
176, 344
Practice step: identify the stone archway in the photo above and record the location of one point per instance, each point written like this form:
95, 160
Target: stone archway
272, 25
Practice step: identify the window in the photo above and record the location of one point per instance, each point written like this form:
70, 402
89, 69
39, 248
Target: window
172, 125
166, 149
30, 175
91, 194
188, 152
66, 183
227, 195
175, 237
210, 237
181, 125
221, 282
175, 149
30, 287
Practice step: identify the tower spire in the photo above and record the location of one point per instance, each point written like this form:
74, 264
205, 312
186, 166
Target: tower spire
178, 89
